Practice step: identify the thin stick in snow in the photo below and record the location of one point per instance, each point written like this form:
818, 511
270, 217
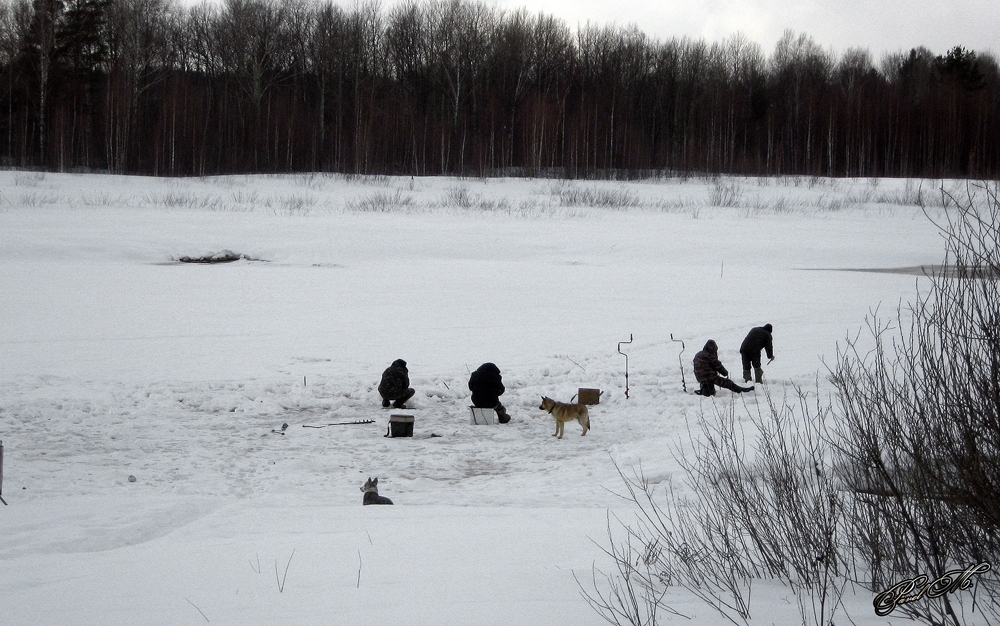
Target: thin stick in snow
1, 475
281, 583
359, 568
196, 608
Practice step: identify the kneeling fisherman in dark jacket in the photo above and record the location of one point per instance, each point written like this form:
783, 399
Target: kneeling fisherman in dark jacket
709, 371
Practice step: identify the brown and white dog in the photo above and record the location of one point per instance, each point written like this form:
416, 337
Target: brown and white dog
563, 412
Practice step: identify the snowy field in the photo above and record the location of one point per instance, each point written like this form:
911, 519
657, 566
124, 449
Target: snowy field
118, 360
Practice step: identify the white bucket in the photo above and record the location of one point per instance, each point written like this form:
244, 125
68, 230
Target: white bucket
483, 417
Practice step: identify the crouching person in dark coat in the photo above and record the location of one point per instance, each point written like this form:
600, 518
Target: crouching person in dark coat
486, 385
395, 385
709, 371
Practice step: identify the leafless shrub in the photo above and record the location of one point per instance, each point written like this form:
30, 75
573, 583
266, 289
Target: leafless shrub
619, 198
725, 195
781, 205
36, 200
313, 180
245, 198
912, 194
178, 199
371, 180
104, 199
225, 182
760, 206
689, 547
770, 510
292, 205
381, 202
920, 428
460, 198
634, 594
29, 179
833, 203
820, 181
501, 205
670, 205
779, 497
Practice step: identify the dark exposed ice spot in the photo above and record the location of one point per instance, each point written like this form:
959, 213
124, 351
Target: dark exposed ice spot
941, 271
226, 256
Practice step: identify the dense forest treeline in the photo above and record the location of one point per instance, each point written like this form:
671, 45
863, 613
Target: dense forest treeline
459, 87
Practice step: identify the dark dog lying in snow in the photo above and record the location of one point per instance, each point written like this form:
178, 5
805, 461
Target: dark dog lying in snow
371, 493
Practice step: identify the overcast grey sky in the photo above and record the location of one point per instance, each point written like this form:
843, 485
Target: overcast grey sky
879, 25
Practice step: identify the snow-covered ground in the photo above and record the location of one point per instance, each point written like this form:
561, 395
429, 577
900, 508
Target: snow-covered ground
117, 360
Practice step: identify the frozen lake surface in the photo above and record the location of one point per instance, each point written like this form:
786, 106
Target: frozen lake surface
119, 360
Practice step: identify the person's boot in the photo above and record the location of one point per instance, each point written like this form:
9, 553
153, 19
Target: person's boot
502, 416
746, 389
758, 373
746, 376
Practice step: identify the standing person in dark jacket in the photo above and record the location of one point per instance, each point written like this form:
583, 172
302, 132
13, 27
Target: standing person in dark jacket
759, 338
709, 371
486, 385
395, 385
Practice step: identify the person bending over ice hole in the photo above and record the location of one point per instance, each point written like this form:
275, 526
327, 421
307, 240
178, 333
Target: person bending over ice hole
709, 371
486, 385
395, 385
759, 338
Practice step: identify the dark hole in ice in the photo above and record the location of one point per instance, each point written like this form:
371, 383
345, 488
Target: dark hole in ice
226, 256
